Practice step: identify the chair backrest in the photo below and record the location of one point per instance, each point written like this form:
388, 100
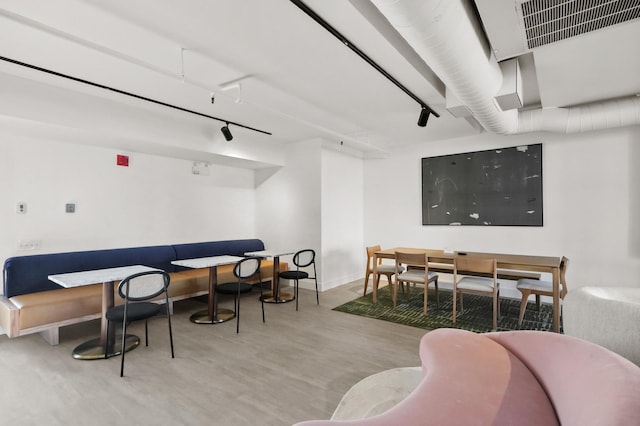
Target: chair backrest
370, 252
144, 285
475, 264
564, 264
246, 268
411, 259
304, 258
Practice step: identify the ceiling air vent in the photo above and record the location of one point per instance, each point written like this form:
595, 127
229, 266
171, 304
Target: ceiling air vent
548, 21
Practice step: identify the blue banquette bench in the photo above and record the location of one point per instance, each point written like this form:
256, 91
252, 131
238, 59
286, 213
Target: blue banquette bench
31, 303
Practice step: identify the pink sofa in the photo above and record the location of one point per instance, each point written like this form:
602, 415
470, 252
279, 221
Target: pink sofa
515, 378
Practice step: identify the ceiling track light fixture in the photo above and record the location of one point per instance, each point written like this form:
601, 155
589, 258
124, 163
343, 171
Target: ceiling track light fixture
424, 116
226, 132
425, 109
133, 95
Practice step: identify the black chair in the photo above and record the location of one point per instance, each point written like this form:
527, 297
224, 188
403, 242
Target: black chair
243, 270
302, 259
137, 290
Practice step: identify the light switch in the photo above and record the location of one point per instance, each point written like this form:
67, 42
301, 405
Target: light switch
70, 208
22, 208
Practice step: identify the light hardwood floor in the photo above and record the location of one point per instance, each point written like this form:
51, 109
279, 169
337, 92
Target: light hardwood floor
295, 367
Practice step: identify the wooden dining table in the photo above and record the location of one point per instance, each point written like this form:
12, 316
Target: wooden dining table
518, 262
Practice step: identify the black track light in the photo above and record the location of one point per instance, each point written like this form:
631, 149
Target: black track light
226, 132
424, 116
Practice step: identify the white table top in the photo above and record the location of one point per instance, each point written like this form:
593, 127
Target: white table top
270, 253
77, 279
207, 262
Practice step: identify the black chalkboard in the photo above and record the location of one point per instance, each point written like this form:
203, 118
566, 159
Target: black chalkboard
501, 187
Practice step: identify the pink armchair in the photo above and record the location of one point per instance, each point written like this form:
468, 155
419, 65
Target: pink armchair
515, 377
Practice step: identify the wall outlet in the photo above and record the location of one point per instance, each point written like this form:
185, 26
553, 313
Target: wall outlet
28, 245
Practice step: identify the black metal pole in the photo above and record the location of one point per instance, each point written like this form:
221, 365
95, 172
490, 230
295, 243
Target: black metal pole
133, 95
313, 15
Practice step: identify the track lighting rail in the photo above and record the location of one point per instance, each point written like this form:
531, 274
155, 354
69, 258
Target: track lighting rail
313, 15
133, 95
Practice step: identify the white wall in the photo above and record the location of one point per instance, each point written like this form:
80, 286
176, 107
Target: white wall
315, 201
288, 201
591, 204
322, 199
156, 200
342, 224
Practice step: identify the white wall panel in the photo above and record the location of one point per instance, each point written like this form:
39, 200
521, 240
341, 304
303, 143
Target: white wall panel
343, 257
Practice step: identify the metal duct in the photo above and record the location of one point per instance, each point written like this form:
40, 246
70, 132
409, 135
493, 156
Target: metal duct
585, 118
445, 36
448, 37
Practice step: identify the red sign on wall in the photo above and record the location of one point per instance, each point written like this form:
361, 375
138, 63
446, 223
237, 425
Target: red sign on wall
122, 160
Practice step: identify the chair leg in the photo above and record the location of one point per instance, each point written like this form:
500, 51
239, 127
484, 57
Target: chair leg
122, 348
424, 308
170, 334
523, 305
317, 293
437, 293
495, 311
366, 281
237, 305
394, 292
538, 302
400, 283
455, 304
295, 292
146, 332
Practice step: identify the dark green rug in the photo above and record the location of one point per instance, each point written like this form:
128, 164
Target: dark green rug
477, 315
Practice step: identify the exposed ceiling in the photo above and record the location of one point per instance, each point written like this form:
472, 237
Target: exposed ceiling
269, 66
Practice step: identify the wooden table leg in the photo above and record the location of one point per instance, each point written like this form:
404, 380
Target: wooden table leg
375, 274
556, 299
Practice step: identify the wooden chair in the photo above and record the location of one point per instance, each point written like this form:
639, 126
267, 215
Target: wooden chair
541, 288
475, 284
387, 270
418, 275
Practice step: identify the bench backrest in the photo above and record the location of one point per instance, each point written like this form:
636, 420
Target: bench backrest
216, 248
29, 274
